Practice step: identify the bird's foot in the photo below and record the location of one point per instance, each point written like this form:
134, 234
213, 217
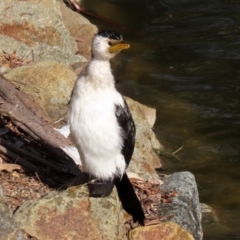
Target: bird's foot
100, 189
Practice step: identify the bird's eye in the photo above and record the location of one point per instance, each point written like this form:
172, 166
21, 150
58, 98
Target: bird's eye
110, 43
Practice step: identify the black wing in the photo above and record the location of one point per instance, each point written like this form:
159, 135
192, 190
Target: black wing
128, 128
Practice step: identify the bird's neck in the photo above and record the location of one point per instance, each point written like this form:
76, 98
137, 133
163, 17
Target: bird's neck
99, 71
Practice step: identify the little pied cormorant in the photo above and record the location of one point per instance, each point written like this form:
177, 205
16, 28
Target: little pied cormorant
102, 127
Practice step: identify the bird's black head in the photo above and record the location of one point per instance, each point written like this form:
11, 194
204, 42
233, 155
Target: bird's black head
107, 43
110, 34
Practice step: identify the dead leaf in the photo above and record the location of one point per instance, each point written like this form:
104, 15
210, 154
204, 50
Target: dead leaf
9, 167
11, 60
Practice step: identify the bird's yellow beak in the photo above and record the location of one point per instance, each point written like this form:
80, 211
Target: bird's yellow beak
118, 47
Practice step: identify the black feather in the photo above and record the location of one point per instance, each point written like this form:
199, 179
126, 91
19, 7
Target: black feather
128, 128
125, 189
110, 34
129, 199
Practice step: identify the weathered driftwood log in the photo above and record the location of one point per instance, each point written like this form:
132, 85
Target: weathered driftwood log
25, 113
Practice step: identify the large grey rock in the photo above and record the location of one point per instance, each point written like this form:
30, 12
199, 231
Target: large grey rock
8, 227
71, 214
36, 26
185, 207
48, 82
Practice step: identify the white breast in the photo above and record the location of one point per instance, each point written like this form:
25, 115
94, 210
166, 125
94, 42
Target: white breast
95, 130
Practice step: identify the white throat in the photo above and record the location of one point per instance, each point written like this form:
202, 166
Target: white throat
99, 71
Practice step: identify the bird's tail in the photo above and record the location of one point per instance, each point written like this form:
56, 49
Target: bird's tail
129, 199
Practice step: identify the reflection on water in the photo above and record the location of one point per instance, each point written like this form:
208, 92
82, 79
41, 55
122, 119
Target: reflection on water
185, 61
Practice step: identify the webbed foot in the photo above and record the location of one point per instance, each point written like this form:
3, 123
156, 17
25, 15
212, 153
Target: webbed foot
100, 188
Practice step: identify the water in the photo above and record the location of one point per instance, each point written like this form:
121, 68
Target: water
184, 60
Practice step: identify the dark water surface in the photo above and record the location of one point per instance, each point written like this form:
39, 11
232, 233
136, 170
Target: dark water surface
185, 62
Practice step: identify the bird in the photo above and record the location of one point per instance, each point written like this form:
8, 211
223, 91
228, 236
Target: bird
102, 127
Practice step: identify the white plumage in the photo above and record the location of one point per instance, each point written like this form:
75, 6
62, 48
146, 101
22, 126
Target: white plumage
93, 123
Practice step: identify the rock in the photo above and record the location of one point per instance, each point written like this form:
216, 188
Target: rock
48, 82
209, 215
80, 29
71, 215
149, 113
164, 231
185, 207
36, 26
214, 227
8, 227
144, 160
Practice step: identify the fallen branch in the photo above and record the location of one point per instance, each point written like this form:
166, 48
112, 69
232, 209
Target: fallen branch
25, 113
76, 7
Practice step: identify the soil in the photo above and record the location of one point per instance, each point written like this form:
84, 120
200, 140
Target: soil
19, 187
